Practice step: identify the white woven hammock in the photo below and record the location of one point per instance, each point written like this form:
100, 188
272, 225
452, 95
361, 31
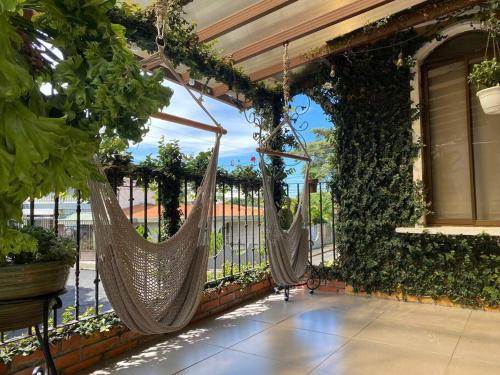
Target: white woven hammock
287, 249
153, 287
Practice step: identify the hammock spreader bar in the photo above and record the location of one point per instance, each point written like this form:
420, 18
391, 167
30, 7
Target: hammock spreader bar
269, 152
190, 123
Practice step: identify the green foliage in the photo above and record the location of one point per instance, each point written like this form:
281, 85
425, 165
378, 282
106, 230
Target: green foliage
248, 178
321, 153
285, 214
373, 159
166, 170
216, 243
485, 74
90, 324
48, 247
183, 47
47, 141
195, 166
321, 212
14, 242
466, 269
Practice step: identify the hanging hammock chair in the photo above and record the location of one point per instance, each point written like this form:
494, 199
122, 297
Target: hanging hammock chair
288, 249
155, 287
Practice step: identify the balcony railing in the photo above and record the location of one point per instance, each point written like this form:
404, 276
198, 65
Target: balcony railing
237, 233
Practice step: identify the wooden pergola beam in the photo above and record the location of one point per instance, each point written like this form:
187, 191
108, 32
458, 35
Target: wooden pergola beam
308, 27
241, 18
187, 122
281, 154
418, 16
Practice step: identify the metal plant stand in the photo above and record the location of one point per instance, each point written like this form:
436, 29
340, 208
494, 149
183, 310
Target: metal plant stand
313, 282
47, 302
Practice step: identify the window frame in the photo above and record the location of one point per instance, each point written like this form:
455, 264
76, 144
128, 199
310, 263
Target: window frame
426, 132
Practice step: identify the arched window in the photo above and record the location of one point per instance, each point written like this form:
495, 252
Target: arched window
462, 144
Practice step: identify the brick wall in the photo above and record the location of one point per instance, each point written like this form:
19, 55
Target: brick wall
79, 352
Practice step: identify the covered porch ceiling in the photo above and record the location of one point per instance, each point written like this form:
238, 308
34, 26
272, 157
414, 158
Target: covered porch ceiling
252, 32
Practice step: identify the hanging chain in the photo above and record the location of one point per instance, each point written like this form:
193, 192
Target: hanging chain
162, 7
286, 82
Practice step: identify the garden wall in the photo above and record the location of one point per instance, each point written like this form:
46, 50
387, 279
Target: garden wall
368, 101
80, 352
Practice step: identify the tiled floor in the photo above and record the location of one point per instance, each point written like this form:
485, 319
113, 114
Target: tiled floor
327, 334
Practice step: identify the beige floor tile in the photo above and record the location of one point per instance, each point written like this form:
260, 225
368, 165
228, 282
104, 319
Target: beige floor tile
224, 331
164, 358
480, 346
233, 362
272, 309
345, 323
360, 357
483, 323
440, 340
467, 367
296, 346
358, 303
413, 313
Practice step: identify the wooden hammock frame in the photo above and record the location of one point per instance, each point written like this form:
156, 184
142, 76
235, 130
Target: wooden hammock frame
216, 128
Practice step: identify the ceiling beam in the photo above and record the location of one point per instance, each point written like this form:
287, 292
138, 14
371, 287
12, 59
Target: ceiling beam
241, 18
308, 27
418, 16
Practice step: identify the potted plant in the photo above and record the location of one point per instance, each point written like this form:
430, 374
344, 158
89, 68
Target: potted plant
37, 266
313, 184
486, 75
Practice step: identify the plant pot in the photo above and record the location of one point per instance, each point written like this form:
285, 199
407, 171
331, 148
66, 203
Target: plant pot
313, 185
19, 283
490, 100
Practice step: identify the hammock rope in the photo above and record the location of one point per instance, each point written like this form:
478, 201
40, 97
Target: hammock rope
287, 248
155, 287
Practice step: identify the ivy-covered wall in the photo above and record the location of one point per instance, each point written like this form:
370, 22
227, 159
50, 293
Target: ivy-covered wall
367, 95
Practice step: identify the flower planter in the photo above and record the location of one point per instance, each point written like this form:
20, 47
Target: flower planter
313, 185
490, 100
19, 283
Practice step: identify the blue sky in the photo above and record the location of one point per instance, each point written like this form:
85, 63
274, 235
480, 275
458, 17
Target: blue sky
237, 147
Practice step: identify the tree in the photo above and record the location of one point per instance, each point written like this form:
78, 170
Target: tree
48, 139
320, 151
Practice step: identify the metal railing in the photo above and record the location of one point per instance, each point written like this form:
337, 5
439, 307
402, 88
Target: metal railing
237, 235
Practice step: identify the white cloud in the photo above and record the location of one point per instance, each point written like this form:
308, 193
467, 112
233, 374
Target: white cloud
238, 140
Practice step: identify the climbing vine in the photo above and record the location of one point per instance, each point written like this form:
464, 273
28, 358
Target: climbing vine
182, 46
366, 93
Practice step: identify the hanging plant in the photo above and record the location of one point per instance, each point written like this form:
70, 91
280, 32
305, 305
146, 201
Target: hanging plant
485, 76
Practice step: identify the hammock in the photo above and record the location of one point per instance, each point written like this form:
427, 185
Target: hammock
287, 248
153, 287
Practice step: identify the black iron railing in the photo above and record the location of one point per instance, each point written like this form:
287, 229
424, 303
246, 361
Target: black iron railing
238, 233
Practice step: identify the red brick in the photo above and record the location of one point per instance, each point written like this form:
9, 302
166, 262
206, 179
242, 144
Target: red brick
227, 298
26, 371
70, 344
3, 368
122, 348
99, 347
67, 360
22, 361
207, 306
82, 365
129, 335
